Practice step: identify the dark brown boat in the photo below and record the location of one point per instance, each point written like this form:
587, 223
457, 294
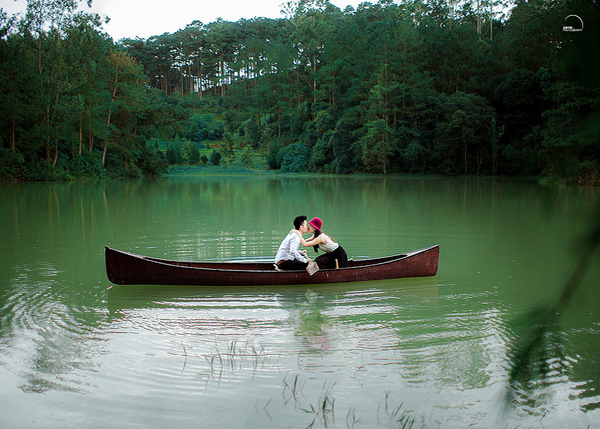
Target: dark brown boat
129, 268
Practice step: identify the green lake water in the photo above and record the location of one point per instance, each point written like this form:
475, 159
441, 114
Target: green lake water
76, 351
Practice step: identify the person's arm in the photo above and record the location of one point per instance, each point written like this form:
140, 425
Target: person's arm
293, 249
311, 240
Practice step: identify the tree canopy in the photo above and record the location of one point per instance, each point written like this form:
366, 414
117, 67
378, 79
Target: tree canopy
421, 86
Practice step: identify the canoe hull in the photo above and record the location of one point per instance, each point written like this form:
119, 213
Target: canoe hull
129, 268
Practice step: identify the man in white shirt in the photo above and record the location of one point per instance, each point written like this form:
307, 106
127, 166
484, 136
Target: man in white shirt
288, 255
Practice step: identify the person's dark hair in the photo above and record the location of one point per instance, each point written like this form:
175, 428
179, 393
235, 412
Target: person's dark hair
316, 234
298, 221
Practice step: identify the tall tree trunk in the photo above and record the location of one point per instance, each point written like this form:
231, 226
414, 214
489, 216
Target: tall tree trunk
11, 132
91, 140
80, 133
479, 17
55, 138
55, 160
222, 80
465, 151
259, 122
200, 92
112, 99
104, 152
491, 21
314, 79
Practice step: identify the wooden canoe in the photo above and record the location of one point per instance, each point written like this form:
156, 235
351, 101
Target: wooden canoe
129, 268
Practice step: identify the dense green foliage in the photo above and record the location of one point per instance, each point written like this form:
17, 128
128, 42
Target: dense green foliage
424, 86
73, 103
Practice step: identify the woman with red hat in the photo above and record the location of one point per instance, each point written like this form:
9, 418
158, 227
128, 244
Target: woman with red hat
335, 256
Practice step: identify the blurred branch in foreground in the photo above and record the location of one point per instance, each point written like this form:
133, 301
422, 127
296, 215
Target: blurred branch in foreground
538, 348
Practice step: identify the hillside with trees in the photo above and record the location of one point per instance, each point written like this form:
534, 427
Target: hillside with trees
475, 87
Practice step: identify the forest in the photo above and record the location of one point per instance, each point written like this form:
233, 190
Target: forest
450, 87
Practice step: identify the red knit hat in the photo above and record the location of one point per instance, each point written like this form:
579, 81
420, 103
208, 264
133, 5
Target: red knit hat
316, 223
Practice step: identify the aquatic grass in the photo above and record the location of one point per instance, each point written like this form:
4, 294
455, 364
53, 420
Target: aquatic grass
397, 416
294, 388
235, 357
264, 408
351, 419
186, 356
324, 410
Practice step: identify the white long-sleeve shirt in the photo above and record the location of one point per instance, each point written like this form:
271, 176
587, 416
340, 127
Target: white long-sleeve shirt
289, 249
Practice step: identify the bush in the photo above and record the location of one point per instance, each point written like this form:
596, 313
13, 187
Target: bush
215, 157
192, 153
274, 155
10, 163
322, 154
588, 173
174, 155
152, 164
294, 158
89, 164
38, 170
247, 157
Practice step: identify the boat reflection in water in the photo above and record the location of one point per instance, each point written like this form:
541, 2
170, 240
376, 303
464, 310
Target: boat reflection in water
138, 297
261, 328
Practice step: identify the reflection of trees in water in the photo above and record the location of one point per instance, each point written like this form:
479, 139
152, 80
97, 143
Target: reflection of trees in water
48, 333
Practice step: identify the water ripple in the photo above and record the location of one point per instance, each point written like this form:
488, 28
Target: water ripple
44, 334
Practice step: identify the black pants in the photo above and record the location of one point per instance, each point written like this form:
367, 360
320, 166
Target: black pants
292, 265
328, 259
